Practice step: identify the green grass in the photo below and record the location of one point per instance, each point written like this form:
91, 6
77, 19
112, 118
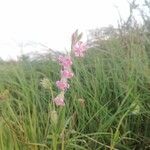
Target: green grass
114, 112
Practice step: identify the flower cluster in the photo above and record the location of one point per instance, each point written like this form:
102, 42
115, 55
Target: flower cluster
66, 73
62, 84
78, 50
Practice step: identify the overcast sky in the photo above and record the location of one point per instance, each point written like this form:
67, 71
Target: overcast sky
51, 22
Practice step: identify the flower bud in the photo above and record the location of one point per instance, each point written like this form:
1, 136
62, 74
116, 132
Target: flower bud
45, 83
54, 117
135, 108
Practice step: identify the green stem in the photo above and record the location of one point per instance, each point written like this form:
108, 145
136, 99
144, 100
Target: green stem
54, 142
63, 142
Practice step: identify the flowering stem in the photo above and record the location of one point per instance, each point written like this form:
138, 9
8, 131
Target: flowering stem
78, 49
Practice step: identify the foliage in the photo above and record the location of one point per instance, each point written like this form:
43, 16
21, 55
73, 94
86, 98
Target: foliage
108, 104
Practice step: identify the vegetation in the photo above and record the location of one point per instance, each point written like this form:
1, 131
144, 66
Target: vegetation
107, 106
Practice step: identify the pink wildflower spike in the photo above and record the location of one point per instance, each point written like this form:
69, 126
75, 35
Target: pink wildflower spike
79, 49
65, 61
59, 101
67, 74
62, 85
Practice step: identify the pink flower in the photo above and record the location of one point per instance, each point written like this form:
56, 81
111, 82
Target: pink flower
62, 85
65, 61
66, 74
79, 49
59, 101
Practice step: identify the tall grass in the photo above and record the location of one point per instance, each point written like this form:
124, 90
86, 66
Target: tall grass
107, 106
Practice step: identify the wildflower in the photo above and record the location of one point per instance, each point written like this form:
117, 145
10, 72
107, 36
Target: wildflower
66, 74
62, 84
59, 100
65, 61
79, 49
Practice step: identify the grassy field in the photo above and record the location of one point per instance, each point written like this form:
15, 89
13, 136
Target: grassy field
107, 105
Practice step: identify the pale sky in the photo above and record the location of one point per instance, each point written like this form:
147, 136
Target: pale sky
51, 22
